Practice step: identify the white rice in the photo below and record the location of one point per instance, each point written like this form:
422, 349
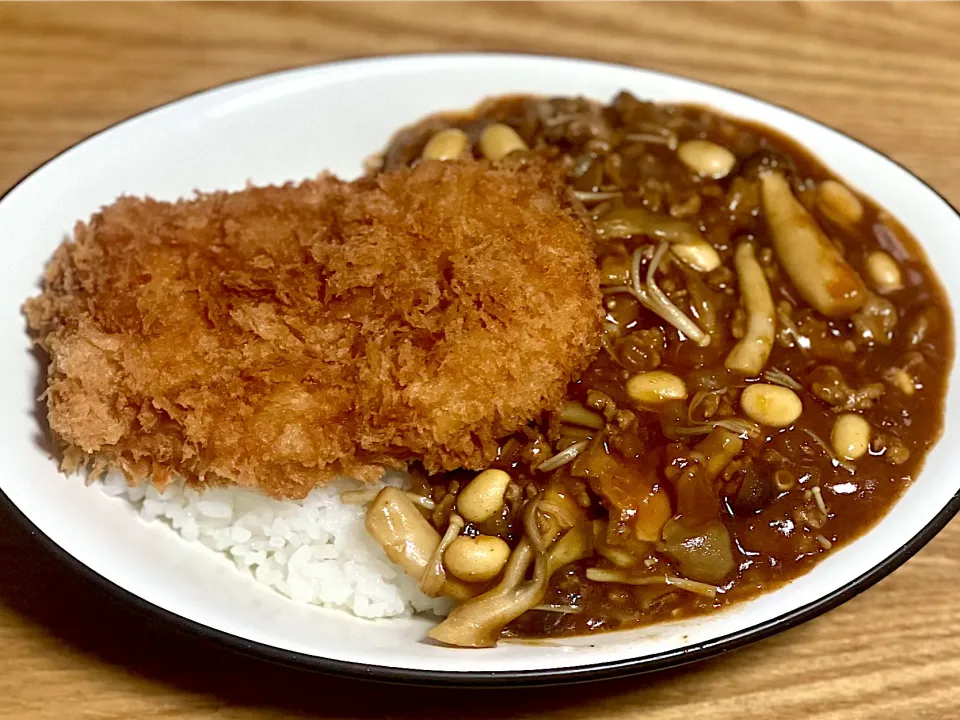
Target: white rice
313, 551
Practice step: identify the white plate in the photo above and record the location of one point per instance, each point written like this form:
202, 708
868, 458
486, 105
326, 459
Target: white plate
291, 125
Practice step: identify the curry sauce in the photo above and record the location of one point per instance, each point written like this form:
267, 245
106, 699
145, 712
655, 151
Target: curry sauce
774, 366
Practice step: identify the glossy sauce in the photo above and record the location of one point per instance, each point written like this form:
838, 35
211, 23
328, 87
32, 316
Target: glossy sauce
630, 147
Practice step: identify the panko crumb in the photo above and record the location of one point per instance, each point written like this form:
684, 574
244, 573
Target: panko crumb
279, 337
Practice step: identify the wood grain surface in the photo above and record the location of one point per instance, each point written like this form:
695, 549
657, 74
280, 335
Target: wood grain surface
886, 74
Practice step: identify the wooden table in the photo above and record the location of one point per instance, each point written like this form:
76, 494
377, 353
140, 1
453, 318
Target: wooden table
887, 74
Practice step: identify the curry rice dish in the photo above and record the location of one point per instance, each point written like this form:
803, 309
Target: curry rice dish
630, 362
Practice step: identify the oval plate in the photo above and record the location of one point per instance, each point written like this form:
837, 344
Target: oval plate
292, 125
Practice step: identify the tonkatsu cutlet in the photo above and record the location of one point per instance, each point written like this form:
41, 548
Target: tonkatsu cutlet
279, 337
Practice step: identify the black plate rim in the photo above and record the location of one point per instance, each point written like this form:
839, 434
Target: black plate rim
510, 678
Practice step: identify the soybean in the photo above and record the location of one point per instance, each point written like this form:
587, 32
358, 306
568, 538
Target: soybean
499, 140
482, 498
656, 387
838, 203
701, 255
850, 436
884, 272
707, 159
476, 559
449, 144
772, 405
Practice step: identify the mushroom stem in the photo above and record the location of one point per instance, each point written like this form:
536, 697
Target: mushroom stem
821, 275
431, 582
621, 576
669, 313
686, 241
719, 448
394, 521
575, 544
655, 300
751, 353
478, 622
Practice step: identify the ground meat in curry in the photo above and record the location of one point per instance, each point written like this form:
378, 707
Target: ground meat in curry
772, 376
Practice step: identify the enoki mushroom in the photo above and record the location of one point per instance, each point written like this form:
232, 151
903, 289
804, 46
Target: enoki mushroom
654, 299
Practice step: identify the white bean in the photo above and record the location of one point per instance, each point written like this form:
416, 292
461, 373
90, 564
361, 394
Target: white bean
884, 272
499, 140
701, 255
449, 144
772, 405
476, 559
707, 159
655, 387
850, 436
482, 498
838, 203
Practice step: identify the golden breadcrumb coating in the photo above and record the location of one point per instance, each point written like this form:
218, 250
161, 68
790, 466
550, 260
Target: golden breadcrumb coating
279, 337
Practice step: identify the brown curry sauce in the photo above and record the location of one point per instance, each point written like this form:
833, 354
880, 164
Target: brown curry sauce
629, 148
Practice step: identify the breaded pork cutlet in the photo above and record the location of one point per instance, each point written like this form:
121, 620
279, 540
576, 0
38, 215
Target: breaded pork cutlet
279, 337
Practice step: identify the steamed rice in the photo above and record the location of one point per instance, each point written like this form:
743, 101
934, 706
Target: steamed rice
314, 550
